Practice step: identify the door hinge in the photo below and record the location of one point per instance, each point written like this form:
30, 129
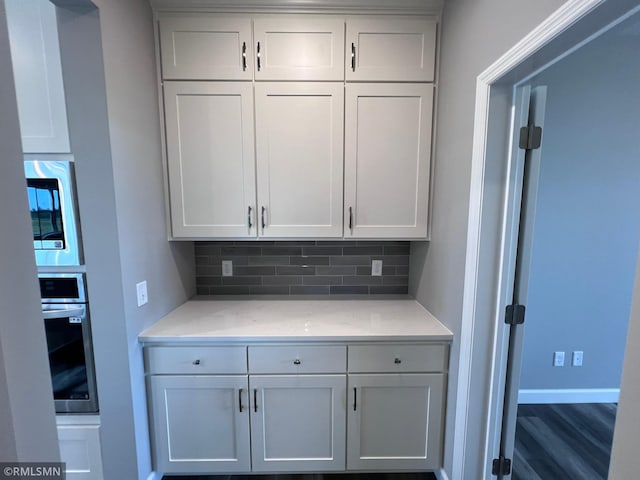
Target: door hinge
530, 137
501, 466
514, 314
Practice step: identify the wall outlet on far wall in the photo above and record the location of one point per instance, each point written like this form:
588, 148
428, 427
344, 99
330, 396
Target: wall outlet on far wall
141, 292
227, 268
376, 268
558, 359
576, 358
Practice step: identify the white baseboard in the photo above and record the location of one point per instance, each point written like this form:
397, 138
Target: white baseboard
441, 474
570, 395
154, 476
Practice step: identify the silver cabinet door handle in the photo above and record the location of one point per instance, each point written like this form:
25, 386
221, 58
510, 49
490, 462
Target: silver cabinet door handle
244, 56
249, 217
351, 219
297, 361
262, 216
397, 361
196, 362
353, 57
258, 55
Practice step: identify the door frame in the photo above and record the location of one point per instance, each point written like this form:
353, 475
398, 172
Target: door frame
479, 403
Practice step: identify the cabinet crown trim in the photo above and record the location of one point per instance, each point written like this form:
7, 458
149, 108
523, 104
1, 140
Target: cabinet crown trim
424, 7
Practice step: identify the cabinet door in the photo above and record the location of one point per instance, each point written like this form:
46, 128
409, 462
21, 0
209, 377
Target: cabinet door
206, 47
395, 49
35, 54
210, 154
298, 423
299, 142
80, 451
293, 47
200, 423
387, 160
395, 422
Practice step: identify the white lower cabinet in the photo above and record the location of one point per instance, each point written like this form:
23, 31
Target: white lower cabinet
200, 423
297, 408
298, 423
79, 441
395, 421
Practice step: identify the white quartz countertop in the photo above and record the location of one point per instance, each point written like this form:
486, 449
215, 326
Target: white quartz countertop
297, 320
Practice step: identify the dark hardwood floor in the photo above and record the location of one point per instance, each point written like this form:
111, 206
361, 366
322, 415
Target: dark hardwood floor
315, 476
563, 442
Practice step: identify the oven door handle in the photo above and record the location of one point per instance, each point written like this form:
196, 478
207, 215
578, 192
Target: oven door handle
65, 312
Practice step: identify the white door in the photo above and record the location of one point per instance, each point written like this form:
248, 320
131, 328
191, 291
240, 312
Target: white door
210, 154
80, 451
387, 160
384, 48
200, 423
206, 47
35, 54
298, 422
291, 47
299, 143
395, 421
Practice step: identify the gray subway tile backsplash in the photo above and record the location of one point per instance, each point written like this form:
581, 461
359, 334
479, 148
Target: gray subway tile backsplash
302, 268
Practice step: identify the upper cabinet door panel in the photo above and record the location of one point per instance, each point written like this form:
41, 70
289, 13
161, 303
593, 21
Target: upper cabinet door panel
35, 52
206, 47
299, 48
299, 158
387, 159
210, 158
395, 49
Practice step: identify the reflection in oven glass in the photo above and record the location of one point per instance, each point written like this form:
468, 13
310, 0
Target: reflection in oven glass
66, 358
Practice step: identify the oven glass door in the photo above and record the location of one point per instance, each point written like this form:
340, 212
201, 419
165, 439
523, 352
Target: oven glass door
46, 213
70, 359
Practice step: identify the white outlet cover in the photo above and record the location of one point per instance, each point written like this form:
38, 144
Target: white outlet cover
376, 268
558, 359
227, 268
141, 292
576, 359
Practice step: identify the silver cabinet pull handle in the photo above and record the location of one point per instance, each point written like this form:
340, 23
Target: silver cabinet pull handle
353, 57
249, 217
297, 361
397, 361
351, 219
255, 400
244, 56
196, 362
258, 55
355, 393
262, 216
240, 400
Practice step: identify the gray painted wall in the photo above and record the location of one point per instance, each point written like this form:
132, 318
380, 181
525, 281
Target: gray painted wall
587, 230
474, 34
108, 66
27, 421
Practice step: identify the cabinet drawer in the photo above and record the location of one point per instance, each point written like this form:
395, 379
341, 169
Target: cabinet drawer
194, 360
397, 358
297, 359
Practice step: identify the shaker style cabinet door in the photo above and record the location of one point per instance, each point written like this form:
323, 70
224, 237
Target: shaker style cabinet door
200, 423
37, 69
395, 422
210, 155
387, 160
293, 47
299, 153
206, 47
395, 49
298, 423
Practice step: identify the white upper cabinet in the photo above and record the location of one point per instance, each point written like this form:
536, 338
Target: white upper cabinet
206, 47
387, 160
299, 152
395, 49
210, 153
295, 47
35, 54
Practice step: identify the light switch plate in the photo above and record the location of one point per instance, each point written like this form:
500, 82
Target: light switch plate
141, 292
227, 268
376, 268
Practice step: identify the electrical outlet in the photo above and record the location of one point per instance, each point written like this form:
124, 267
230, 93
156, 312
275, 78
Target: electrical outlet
576, 358
558, 359
376, 268
141, 292
227, 268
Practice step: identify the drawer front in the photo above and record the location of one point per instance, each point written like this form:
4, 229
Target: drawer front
297, 359
398, 358
194, 360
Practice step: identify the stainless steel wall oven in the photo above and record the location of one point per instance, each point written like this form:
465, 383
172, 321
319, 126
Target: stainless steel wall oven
65, 310
53, 208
